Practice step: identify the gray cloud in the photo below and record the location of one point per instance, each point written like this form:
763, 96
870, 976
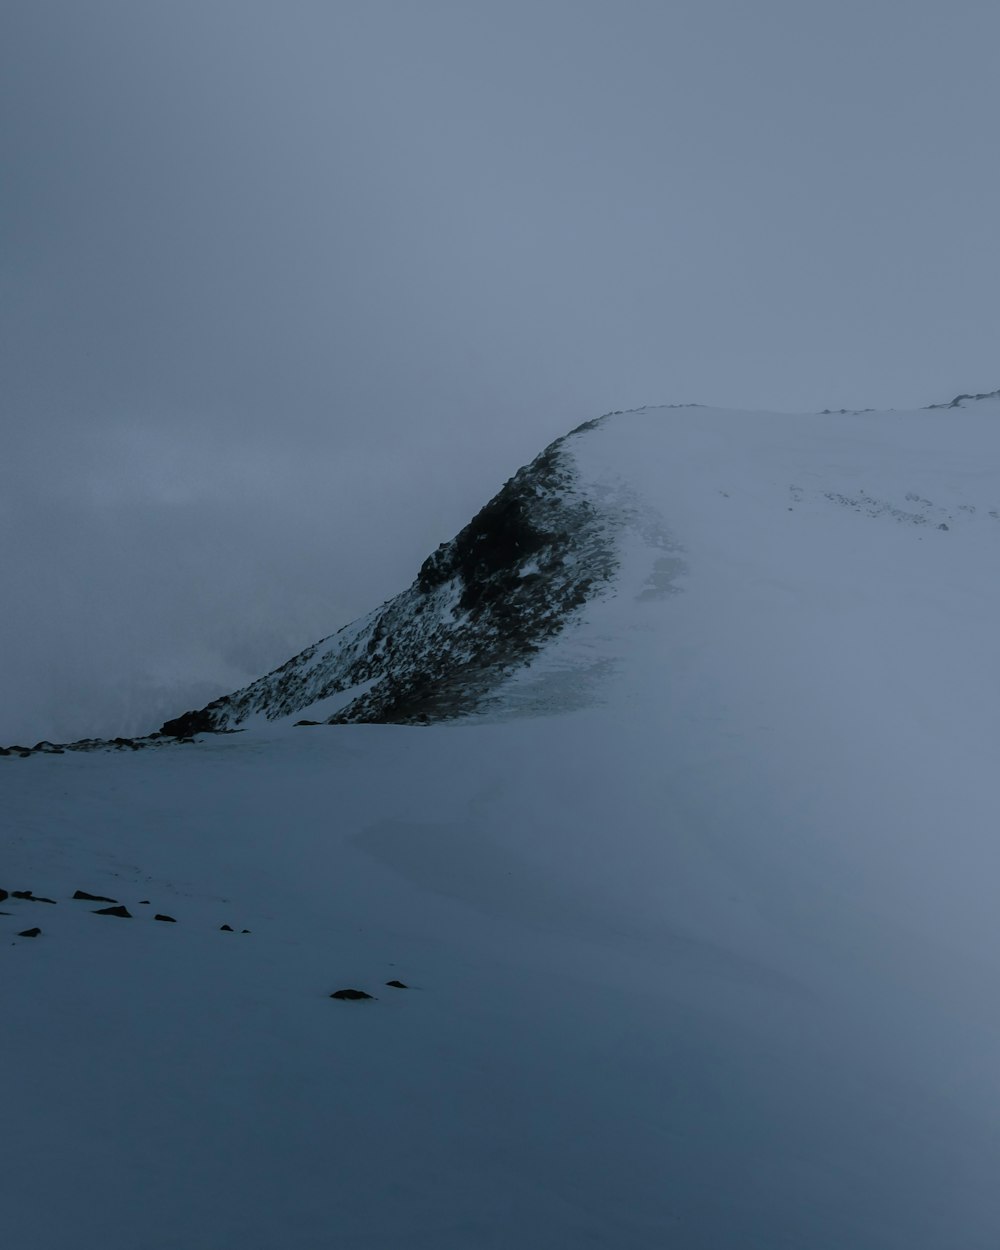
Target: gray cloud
289, 289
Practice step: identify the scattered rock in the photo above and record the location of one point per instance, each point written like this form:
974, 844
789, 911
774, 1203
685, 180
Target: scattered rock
29, 933
942, 526
397, 985
169, 919
245, 930
144, 902
226, 928
114, 911
32, 898
3, 895
20, 894
350, 995
298, 723
94, 898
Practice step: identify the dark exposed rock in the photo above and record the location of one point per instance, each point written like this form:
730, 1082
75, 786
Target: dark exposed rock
29, 933
960, 399
94, 898
169, 919
144, 902
37, 898
397, 985
20, 894
299, 723
123, 912
190, 723
350, 995
88, 744
244, 930
226, 928
3, 895
481, 606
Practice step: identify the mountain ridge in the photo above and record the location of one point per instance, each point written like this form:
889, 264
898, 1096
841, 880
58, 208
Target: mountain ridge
481, 607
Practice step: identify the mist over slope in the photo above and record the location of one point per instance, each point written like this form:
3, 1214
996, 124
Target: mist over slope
690, 875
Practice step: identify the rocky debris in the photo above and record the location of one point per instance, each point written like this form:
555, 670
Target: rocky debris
350, 996
226, 928
397, 985
29, 933
94, 898
29, 897
123, 912
169, 919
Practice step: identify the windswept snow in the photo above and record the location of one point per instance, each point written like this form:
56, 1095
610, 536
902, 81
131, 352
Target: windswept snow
698, 908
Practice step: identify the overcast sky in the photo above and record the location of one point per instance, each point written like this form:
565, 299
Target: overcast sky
290, 288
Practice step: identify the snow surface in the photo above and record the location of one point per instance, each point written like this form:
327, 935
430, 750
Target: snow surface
699, 918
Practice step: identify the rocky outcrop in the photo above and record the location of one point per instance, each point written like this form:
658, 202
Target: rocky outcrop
481, 606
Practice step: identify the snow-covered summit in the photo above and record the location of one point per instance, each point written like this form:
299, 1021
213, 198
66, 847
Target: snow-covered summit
604, 513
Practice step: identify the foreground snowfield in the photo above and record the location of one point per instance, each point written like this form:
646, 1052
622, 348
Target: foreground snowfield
701, 923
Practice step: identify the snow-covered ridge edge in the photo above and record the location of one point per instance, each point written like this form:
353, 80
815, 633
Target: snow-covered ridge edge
480, 607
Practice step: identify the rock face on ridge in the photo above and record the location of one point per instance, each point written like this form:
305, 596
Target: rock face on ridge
480, 607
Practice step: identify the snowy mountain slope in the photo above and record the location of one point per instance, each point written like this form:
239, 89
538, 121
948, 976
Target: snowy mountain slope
480, 606
697, 911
